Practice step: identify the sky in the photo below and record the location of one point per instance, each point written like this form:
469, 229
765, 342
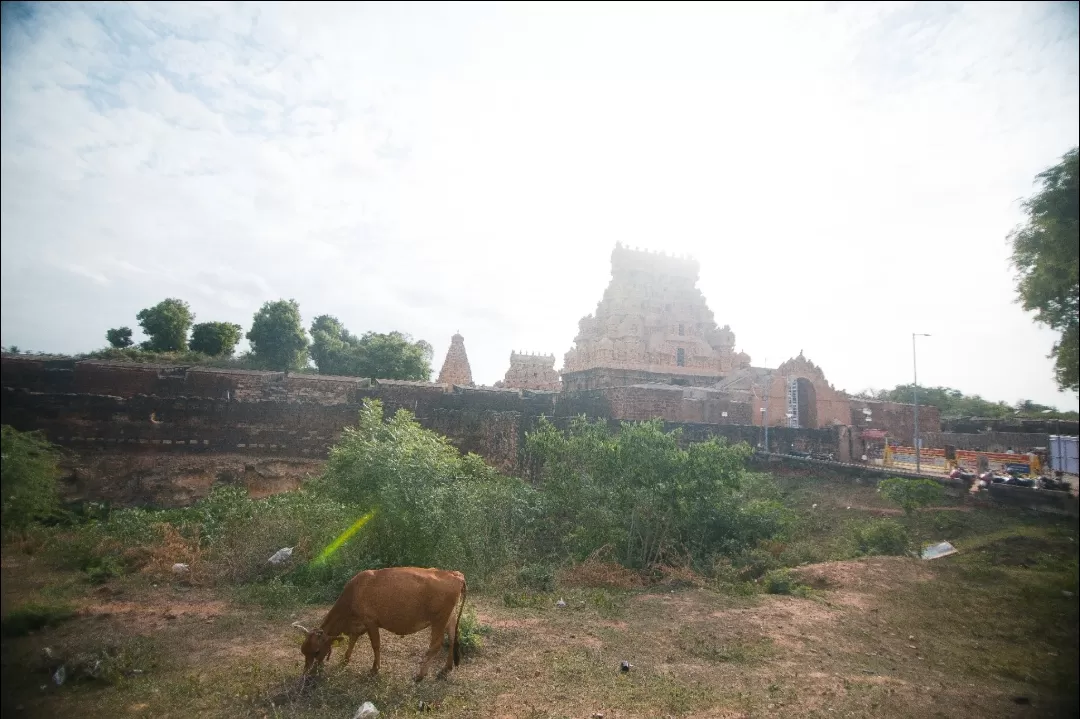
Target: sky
846, 174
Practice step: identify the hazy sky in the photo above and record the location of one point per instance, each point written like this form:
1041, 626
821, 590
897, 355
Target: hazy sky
846, 174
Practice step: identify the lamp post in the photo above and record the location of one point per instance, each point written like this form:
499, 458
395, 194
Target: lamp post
915, 391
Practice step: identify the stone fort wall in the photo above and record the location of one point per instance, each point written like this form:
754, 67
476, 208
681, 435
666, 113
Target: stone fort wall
96, 406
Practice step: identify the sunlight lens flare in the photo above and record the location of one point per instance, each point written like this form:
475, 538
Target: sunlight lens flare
344, 537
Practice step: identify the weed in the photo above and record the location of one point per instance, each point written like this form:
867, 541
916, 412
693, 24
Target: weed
880, 536
471, 633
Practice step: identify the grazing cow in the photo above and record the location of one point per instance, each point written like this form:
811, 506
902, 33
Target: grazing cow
402, 600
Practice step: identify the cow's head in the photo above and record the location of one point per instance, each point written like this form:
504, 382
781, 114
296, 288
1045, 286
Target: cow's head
316, 647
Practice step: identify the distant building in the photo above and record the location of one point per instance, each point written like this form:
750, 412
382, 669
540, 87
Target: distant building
455, 369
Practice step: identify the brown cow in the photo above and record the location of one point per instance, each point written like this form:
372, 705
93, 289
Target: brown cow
402, 600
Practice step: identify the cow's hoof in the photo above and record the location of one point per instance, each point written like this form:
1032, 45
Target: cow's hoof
418, 678
373, 672
443, 673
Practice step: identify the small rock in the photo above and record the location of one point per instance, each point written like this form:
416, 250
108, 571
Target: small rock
625, 666
813, 506
598, 715
367, 709
280, 557
60, 676
911, 637
180, 568
1066, 593
912, 646
849, 507
47, 651
561, 603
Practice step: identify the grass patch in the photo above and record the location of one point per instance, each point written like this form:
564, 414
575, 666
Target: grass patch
701, 643
35, 616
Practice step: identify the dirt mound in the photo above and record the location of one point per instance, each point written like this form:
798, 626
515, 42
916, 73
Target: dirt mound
864, 576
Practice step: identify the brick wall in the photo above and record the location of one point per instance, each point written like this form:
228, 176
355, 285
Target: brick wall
140, 408
896, 419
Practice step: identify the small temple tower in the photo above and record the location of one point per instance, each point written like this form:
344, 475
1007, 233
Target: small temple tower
455, 368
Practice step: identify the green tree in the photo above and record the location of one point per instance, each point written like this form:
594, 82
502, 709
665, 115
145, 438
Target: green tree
393, 355
277, 336
119, 337
217, 339
330, 344
28, 474
1046, 255
166, 324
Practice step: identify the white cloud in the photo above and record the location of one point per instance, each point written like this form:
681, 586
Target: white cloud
845, 173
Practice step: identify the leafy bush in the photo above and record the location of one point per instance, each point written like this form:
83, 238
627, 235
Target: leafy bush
638, 490
782, 581
910, 494
28, 473
432, 506
881, 536
537, 577
471, 632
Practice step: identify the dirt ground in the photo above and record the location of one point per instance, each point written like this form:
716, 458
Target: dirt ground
880, 636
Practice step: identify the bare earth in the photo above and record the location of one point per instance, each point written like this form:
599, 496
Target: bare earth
879, 637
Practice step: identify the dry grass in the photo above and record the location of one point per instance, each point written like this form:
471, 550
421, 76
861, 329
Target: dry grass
961, 637
600, 571
178, 651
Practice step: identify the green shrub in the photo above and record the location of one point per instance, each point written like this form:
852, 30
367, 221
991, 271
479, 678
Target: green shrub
28, 473
880, 536
537, 577
910, 494
35, 616
638, 490
471, 632
782, 581
432, 506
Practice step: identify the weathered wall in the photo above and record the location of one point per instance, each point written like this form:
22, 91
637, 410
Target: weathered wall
898, 420
1021, 442
157, 414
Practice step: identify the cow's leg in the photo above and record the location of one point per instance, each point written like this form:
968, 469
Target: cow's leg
451, 631
373, 634
434, 647
348, 649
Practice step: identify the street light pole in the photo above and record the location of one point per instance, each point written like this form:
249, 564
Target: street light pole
915, 392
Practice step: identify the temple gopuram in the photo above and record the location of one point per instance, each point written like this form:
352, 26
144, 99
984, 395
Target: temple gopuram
651, 326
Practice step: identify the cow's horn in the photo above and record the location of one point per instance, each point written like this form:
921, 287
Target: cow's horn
302, 628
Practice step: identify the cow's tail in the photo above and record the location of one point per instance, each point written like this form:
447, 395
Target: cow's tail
457, 628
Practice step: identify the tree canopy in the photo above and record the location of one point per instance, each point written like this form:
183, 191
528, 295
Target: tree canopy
166, 324
119, 337
217, 339
277, 336
1046, 255
952, 403
393, 355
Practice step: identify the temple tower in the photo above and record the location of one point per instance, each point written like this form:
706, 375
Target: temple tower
455, 368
